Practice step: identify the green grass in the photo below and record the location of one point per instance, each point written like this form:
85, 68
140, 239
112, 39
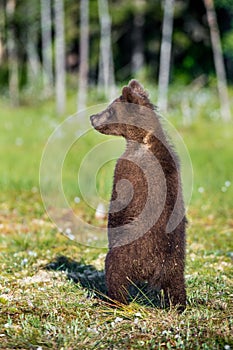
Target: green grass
41, 308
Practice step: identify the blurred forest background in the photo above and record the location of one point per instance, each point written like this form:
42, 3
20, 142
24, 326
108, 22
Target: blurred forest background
51, 47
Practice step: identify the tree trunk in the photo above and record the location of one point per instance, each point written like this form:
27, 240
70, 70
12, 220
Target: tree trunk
47, 62
1, 49
33, 69
2, 32
83, 54
165, 54
106, 66
137, 62
33, 60
60, 74
12, 53
218, 60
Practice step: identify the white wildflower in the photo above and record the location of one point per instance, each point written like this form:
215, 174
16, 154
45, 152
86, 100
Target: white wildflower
24, 262
100, 212
117, 320
69, 234
76, 200
8, 325
32, 253
93, 330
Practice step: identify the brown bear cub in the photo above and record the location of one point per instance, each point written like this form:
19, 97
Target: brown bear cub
146, 220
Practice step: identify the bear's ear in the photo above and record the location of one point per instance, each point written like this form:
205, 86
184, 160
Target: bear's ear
127, 93
132, 96
137, 88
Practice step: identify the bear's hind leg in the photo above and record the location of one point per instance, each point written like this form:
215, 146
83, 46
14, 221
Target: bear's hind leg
117, 280
174, 291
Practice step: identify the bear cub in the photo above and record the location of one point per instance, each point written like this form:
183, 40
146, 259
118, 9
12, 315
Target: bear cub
146, 220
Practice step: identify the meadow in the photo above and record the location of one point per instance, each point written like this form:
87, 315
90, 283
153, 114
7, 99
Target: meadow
45, 304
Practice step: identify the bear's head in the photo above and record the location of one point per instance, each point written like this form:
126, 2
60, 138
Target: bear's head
131, 115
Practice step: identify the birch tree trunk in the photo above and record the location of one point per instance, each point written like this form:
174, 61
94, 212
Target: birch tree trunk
165, 54
218, 60
2, 32
60, 74
1, 48
33, 69
12, 53
83, 55
47, 62
33, 60
137, 62
106, 77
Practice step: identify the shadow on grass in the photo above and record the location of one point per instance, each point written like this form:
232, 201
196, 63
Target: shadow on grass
94, 281
86, 275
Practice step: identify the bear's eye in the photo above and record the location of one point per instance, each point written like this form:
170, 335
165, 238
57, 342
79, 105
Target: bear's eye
111, 112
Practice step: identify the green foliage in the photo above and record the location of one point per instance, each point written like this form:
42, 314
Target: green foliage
191, 49
228, 44
225, 4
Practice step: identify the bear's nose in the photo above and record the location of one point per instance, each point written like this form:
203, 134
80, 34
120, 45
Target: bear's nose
92, 117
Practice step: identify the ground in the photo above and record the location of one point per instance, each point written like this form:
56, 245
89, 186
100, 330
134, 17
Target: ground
42, 306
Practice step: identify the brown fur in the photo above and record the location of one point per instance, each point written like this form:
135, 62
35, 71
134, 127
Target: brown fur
143, 249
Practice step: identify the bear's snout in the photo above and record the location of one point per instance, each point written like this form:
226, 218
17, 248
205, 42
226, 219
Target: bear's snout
94, 120
99, 120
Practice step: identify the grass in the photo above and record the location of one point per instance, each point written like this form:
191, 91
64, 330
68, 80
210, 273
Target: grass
45, 308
